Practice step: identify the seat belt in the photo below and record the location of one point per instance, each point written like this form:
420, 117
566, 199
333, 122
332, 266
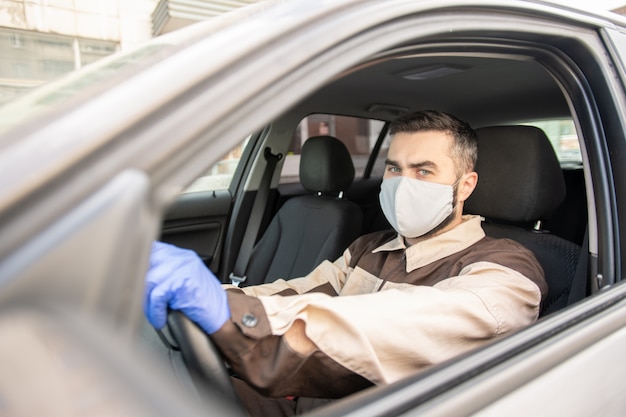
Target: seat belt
578, 290
254, 224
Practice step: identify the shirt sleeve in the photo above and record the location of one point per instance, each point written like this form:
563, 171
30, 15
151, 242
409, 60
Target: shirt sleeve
267, 362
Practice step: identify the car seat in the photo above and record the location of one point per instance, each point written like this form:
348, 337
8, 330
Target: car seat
520, 185
311, 228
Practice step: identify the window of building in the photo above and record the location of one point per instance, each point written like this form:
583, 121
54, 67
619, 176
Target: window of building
32, 58
15, 40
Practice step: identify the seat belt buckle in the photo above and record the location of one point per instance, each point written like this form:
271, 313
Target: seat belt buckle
236, 280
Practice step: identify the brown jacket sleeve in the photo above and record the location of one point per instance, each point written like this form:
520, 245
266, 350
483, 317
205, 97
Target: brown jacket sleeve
268, 363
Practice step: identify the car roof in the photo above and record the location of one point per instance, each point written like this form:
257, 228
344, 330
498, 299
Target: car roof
481, 89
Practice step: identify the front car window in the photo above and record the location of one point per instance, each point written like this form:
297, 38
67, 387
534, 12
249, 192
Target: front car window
220, 175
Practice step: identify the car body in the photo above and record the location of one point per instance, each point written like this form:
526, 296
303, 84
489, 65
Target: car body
94, 168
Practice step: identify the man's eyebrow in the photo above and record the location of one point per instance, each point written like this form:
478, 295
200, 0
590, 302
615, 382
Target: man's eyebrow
413, 165
423, 164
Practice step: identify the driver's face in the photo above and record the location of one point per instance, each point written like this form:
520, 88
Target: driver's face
421, 155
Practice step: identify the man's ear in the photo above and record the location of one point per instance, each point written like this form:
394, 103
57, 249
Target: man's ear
466, 185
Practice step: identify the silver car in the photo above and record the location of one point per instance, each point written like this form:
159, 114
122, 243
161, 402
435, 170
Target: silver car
168, 142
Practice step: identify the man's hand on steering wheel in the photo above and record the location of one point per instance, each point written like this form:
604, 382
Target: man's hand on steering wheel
179, 280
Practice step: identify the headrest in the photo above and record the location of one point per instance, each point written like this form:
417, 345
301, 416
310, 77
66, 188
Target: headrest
519, 176
325, 165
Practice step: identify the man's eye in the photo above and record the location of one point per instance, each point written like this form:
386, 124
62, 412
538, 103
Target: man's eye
423, 172
394, 170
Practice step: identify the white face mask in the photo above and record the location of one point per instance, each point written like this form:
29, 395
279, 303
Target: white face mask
414, 207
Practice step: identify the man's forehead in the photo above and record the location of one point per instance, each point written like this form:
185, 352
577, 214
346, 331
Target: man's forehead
425, 142
443, 135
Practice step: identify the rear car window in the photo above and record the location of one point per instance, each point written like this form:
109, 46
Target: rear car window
358, 134
564, 139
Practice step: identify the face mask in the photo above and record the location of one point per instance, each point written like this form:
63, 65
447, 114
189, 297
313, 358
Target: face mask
414, 207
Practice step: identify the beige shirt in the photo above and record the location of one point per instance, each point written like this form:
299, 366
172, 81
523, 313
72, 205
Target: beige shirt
384, 311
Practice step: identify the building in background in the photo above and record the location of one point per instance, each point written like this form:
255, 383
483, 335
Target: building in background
170, 15
40, 40
620, 10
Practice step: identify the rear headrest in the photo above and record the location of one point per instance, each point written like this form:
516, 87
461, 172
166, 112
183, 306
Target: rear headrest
325, 165
519, 176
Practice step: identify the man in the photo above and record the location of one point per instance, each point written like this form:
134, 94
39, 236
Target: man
394, 304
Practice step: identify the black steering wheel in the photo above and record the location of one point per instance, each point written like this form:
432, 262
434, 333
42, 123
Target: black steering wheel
200, 354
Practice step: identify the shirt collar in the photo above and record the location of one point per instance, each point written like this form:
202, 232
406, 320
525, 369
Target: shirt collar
468, 232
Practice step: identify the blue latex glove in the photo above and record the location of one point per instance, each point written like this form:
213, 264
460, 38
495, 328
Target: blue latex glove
178, 279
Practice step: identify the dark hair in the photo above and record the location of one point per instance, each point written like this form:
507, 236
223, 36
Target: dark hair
464, 149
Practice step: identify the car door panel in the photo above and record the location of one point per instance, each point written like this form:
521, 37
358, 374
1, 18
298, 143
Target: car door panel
198, 221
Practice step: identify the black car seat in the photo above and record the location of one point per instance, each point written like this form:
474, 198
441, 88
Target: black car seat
520, 185
311, 228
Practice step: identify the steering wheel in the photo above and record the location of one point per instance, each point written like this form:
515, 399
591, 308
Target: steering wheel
200, 354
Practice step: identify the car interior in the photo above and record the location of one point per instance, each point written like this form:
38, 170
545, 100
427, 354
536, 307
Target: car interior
531, 180
309, 228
